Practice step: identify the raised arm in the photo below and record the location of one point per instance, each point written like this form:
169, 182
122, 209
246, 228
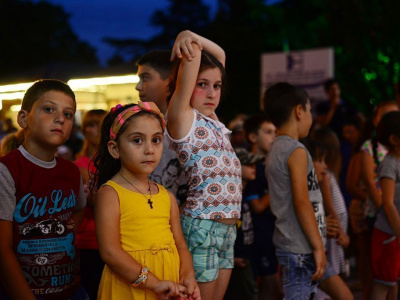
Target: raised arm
188, 46
183, 43
297, 164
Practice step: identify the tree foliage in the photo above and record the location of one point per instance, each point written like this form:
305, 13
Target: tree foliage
192, 15
33, 34
362, 33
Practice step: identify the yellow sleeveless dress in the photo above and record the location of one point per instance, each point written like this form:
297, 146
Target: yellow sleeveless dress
146, 236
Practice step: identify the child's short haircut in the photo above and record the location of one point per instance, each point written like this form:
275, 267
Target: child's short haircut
42, 86
254, 123
160, 61
280, 99
389, 125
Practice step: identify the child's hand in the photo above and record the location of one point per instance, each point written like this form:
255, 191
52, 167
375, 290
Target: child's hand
167, 289
320, 264
239, 262
183, 43
332, 227
343, 239
189, 281
195, 295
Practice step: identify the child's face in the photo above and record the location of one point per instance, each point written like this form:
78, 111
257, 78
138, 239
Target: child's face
248, 172
265, 136
207, 92
320, 168
50, 120
92, 133
350, 133
140, 146
152, 88
306, 121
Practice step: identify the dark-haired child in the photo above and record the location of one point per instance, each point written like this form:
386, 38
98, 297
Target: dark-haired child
385, 250
208, 159
137, 221
260, 133
42, 201
295, 196
331, 283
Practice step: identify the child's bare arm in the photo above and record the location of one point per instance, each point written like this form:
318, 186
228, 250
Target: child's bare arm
183, 43
180, 111
388, 188
297, 164
107, 219
368, 174
186, 272
11, 275
260, 204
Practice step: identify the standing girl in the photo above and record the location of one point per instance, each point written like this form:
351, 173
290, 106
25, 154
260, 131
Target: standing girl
385, 250
137, 221
208, 159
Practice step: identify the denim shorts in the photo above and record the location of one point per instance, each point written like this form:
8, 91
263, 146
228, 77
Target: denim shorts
211, 245
297, 272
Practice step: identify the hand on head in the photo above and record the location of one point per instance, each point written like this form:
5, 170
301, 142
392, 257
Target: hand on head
183, 44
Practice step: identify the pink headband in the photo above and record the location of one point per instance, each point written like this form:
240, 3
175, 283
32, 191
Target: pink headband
125, 114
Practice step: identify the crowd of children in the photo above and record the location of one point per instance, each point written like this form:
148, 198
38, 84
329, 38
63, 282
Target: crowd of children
161, 203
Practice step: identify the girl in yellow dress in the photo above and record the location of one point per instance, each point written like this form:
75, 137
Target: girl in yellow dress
137, 221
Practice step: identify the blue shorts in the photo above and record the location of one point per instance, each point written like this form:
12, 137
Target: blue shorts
211, 245
297, 272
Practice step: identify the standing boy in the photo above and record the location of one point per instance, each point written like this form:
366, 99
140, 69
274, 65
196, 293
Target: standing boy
41, 201
260, 133
155, 70
295, 196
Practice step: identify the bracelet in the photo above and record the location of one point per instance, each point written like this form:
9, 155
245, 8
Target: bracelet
142, 277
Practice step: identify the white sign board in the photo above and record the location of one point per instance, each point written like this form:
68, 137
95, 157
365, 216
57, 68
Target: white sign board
307, 69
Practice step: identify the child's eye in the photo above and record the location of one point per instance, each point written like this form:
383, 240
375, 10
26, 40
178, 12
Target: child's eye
157, 140
48, 109
202, 84
137, 140
68, 115
217, 86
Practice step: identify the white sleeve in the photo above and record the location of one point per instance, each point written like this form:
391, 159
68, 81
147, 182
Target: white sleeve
7, 194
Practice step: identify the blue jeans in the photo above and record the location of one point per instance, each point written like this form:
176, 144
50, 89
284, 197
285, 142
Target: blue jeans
297, 271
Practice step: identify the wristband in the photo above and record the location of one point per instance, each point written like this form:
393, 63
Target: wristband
142, 277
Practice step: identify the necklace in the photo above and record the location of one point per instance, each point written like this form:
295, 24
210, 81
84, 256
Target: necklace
148, 199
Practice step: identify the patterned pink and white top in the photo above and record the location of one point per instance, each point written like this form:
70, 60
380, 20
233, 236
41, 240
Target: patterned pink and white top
212, 169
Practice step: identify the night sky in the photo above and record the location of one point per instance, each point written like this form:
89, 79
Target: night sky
92, 20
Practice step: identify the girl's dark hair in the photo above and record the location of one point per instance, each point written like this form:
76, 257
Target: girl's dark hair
316, 149
389, 125
208, 61
329, 140
107, 166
